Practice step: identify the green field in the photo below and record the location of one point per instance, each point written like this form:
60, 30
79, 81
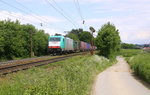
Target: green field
130, 52
74, 76
139, 62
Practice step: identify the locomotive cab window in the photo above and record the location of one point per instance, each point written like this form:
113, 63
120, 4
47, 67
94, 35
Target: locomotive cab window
55, 39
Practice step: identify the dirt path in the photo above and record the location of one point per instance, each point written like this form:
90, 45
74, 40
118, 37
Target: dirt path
117, 80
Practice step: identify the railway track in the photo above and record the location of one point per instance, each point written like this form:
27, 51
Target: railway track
10, 68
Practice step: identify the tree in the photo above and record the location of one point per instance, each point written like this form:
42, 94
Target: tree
108, 41
40, 43
15, 40
76, 31
86, 37
73, 36
129, 46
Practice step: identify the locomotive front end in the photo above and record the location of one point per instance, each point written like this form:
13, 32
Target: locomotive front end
54, 45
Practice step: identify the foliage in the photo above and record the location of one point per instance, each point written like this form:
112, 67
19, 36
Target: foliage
141, 65
73, 36
15, 40
86, 37
130, 52
139, 62
40, 43
74, 76
76, 32
80, 35
108, 41
129, 46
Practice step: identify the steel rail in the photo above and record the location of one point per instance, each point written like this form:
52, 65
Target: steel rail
17, 67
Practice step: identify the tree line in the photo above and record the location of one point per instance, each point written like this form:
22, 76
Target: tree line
80, 35
108, 41
21, 40
24, 40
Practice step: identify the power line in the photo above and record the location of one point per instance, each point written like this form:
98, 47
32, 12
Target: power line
12, 6
63, 11
78, 8
16, 8
33, 12
15, 16
23, 10
60, 13
77, 5
29, 10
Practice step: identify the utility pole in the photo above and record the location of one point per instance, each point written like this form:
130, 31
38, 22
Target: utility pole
31, 44
92, 42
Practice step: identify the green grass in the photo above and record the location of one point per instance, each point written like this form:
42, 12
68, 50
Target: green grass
74, 76
140, 64
130, 52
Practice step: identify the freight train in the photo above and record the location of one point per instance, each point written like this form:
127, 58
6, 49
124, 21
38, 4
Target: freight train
60, 45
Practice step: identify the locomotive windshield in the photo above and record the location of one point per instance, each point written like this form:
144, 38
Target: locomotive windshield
55, 39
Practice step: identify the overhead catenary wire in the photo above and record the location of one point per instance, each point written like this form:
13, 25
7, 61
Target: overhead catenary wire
16, 8
28, 9
64, 11
15, 16
36, 14
77, 5
60, 12
39, 19
78, 8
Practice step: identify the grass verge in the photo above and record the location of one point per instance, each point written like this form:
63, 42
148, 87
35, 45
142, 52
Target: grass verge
74, 76
139, 62
130, 52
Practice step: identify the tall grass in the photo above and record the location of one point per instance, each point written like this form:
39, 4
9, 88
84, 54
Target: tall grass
130, 52
139, 62
141, 65
73, 77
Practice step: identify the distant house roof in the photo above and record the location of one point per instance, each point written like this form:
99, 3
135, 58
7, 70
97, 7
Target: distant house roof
146, 48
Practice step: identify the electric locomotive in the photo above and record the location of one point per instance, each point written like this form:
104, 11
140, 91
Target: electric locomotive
60, 44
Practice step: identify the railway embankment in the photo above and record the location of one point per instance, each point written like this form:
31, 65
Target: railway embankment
73, 76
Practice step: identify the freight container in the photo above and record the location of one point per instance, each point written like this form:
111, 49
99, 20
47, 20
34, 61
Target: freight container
88, 46
68, 44
82, 46
76, 46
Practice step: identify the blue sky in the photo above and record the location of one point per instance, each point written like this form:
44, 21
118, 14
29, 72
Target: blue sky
131, 17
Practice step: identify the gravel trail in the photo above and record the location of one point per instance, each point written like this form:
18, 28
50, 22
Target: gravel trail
118, 80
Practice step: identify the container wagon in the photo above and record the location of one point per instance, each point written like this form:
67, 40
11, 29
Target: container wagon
69, 45
82, 46
76, 46
88, 46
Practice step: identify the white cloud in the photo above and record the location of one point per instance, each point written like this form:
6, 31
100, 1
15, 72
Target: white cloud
51, 31
131, 29
29, 18
35, 20
130, 17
